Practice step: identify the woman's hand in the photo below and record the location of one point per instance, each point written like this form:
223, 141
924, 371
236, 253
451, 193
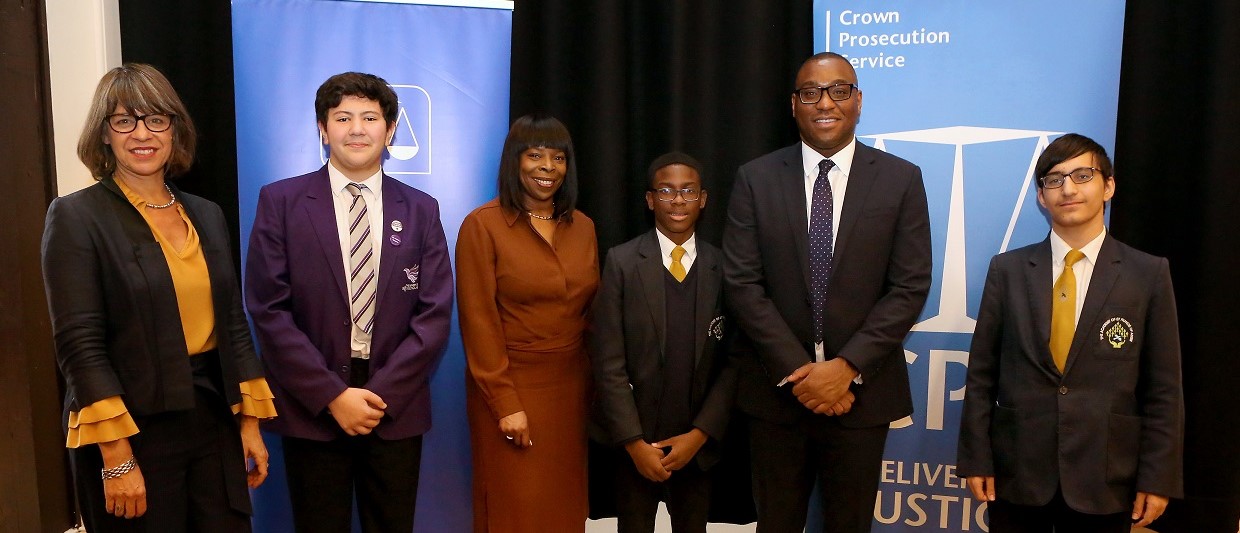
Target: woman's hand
516, 428
255, 449
124, 496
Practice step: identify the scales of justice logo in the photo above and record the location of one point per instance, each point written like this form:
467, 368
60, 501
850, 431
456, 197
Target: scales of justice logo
950, 313
953, 316
410, 151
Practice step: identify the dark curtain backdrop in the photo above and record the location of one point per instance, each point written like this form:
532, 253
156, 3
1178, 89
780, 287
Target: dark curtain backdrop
191, 43
635, 79
1178, 195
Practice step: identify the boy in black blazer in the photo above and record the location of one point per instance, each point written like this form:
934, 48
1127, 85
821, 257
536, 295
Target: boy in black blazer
1074, 412
663, 391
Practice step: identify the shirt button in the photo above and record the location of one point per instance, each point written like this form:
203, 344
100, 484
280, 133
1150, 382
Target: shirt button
344, 369
1063, 390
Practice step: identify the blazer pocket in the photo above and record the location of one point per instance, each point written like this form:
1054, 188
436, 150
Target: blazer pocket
1005, 440
1123, 448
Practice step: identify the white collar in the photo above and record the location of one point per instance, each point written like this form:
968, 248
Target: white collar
843, 159
1059, 248
339, 181
666, 245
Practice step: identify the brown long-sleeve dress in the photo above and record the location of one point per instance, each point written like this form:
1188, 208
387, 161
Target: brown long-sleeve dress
523, 306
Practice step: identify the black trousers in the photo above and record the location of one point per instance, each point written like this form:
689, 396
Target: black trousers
190, 460
323, 478
687, 494
1055, 516
788, 459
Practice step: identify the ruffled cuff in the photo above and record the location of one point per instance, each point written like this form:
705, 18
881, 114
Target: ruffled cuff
103, 421
256, 399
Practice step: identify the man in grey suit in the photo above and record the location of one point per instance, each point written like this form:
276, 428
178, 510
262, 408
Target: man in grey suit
1073, 416
826, 268
664, 391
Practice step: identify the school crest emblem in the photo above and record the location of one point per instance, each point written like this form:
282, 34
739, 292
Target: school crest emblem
716, 328
412, 274
1117, 331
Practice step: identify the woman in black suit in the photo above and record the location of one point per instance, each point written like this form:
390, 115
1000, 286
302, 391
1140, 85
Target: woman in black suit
163, 388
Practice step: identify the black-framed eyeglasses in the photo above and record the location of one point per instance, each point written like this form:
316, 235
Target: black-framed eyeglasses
1055, 180
837, 92
668, 194
125, 123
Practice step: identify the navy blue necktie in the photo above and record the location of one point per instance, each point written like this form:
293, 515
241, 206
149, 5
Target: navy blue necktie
820, 238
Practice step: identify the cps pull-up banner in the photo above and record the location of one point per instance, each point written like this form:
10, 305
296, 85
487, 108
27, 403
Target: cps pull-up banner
448, 62
971, 92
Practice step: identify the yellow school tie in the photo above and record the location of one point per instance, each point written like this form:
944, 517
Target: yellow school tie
1063, 310
677, 269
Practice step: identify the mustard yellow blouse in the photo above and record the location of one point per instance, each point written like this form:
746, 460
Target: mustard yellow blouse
108, 419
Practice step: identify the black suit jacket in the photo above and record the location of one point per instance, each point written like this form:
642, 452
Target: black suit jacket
114, 309
1112, 423
879, 282
627, 342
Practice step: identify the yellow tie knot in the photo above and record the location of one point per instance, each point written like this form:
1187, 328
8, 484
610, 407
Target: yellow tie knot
1072, 257
677, 268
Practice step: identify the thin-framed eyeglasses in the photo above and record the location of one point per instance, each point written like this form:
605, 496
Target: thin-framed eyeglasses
837, 92
1055, 180
125, 123
668, 194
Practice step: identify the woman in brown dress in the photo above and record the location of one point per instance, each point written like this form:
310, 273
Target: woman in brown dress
527, 270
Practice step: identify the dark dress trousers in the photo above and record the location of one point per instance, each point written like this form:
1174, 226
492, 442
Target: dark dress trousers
1113, 422
296, 294
118, 332
628, 342
879, 282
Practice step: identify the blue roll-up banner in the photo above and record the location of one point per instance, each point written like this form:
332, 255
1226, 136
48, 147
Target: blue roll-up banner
971, 92
449, 64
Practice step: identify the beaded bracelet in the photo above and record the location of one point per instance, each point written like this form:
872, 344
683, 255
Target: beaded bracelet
121, 469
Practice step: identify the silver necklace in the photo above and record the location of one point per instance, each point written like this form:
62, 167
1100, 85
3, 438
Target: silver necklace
172, 200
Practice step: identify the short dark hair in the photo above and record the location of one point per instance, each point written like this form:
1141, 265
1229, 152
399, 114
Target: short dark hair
537, 131
819, 57
359, 84
138, 88
1068, 147
672, 158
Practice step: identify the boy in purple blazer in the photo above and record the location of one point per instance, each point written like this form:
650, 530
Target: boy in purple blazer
349, 285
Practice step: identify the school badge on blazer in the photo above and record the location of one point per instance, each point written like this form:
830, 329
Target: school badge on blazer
716, 328
1117, 331
412, 274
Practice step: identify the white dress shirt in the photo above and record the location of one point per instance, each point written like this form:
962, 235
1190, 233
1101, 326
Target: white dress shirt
1083, 269
838, 179
359, 341
665, 249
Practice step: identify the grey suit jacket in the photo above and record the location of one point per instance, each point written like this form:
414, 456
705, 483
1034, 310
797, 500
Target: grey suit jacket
1112, 423
626, 341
